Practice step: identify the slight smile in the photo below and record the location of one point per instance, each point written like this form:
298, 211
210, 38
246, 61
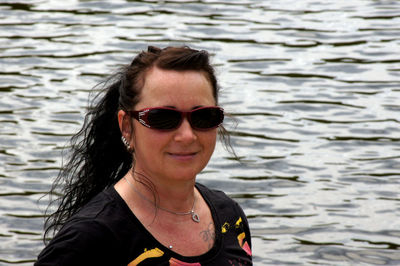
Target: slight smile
183, 156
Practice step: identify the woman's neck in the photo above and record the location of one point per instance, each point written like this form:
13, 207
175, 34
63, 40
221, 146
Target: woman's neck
177, 196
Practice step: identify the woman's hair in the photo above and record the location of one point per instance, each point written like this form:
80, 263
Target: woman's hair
97, 157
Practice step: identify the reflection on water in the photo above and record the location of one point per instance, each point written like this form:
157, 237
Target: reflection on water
313, 87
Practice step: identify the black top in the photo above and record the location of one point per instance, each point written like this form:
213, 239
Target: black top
106, 232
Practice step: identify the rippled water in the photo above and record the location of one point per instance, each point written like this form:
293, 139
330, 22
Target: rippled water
314, 87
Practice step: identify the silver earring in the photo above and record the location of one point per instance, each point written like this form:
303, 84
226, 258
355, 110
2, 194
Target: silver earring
126, 143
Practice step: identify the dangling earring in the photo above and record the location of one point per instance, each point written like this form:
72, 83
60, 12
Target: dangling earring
126, 143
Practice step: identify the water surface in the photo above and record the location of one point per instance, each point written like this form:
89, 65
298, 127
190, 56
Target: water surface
314, 87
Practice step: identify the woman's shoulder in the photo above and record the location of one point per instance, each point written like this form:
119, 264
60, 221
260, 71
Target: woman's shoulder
107, 212
89, 234
101, 205
95, 215
230, 218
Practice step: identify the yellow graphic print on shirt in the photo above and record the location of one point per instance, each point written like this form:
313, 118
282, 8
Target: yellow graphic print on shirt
152, 253
225, 227
243, 244
156, 252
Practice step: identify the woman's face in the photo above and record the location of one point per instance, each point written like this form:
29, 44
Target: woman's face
182, 153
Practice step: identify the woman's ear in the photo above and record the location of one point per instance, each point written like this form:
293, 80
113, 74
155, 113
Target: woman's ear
125, 127
121, 115
124, 124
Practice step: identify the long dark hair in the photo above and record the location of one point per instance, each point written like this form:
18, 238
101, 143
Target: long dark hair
97, 158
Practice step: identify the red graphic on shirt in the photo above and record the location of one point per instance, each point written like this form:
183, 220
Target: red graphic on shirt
243, 244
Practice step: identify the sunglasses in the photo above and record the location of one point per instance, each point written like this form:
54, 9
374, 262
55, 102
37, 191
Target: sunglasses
164, 118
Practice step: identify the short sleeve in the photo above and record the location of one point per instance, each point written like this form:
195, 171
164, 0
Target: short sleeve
246, 229
79, 243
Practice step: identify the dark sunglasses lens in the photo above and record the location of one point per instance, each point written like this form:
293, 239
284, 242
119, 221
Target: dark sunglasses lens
163, 118
207, 118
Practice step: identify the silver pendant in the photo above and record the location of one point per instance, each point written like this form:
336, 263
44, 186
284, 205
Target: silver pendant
195, 217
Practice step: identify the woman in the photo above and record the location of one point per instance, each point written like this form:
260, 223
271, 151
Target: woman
131, 196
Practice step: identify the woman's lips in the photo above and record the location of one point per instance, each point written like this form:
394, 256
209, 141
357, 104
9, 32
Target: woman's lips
183, 155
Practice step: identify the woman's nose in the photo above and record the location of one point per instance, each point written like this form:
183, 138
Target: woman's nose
185, 132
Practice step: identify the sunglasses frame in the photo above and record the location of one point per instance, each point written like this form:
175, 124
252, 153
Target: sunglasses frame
141, 116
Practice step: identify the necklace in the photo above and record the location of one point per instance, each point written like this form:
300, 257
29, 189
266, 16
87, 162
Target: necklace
195, 216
